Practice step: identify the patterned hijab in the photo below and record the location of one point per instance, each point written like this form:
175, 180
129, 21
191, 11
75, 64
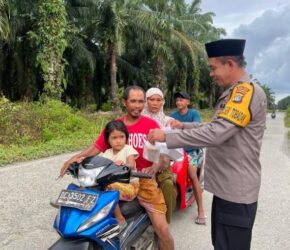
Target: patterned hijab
159, 116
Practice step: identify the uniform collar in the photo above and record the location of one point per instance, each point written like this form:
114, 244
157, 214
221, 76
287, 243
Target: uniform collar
244, 78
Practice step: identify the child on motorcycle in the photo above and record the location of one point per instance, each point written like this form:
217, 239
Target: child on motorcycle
116, 136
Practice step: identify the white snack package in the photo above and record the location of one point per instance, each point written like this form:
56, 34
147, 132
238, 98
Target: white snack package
175, 153
151, 152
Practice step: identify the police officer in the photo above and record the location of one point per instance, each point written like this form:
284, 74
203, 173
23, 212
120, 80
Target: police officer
233, 140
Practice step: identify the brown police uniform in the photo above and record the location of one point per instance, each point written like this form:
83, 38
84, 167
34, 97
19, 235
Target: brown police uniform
232, 169
233, 140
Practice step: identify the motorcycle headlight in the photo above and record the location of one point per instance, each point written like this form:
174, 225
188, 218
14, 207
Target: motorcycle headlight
87, 177
97, 217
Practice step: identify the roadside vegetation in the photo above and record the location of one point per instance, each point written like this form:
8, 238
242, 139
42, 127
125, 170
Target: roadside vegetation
34, 130
97, 49
287, 120
284, 105
31, 130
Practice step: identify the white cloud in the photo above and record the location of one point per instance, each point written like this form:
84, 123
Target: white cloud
265, 26
268, 48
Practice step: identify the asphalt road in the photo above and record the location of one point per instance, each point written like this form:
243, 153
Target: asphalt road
26, 188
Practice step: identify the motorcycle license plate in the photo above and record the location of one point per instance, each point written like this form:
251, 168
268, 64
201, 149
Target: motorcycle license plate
76, 199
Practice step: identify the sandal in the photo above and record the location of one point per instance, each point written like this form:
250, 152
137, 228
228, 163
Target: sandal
200, 220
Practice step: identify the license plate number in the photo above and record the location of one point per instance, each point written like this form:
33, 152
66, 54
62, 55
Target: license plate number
76, 199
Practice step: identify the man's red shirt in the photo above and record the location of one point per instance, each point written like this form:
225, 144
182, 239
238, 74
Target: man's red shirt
137, 134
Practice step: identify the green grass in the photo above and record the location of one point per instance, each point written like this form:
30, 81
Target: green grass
12, 153
34, 130
206, 115
287, 120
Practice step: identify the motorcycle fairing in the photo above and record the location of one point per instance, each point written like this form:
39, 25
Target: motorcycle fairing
136, 226
70, 219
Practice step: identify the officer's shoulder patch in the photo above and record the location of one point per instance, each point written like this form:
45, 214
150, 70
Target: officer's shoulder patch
237, 109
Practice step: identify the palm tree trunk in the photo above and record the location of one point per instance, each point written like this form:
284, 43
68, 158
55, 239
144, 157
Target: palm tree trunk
160, 81
89, 90
113, 77
53, 86
27, 95
1, 65
210, 96
181, 79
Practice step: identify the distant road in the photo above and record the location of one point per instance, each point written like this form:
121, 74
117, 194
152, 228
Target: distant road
26, 188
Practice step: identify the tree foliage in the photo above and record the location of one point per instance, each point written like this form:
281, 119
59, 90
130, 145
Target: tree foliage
269, 94
284, 103
50, 41
4, 23
96, 48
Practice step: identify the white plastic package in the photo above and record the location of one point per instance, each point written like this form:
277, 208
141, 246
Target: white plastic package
151, 152
175, 153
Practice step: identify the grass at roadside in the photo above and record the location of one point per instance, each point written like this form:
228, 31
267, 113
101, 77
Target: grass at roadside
34, 130
12, 153
287, 120
40, 129
206, 115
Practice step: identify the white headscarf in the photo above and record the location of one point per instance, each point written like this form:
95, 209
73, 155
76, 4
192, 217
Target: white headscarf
159, 117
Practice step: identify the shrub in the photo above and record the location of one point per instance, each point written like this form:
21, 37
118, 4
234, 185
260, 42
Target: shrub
22, 123
44, 128
287, 118
105, 107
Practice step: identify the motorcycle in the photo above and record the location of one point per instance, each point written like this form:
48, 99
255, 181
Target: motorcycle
85, 218
273, 115
185, 196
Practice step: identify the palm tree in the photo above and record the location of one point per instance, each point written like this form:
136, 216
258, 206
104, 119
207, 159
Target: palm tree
18, 74
199, 28
107, 22
50, 41
173, 48
269, 94
4, 17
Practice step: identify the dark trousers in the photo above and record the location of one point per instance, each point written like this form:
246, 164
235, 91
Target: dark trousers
231, 224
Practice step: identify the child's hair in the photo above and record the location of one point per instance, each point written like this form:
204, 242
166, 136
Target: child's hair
115, 125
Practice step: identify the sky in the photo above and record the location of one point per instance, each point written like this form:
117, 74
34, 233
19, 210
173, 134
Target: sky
265, 24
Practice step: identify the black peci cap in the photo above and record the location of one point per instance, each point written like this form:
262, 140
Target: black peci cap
183, 95
225, 47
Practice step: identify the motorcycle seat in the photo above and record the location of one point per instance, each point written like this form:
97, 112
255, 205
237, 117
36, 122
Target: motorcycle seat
130, 208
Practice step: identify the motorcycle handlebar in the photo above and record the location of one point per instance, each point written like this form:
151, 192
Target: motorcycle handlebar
73, 169
141, 175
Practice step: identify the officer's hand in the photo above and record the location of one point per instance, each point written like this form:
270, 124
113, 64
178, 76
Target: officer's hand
156, 135
150, 170
175, 124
